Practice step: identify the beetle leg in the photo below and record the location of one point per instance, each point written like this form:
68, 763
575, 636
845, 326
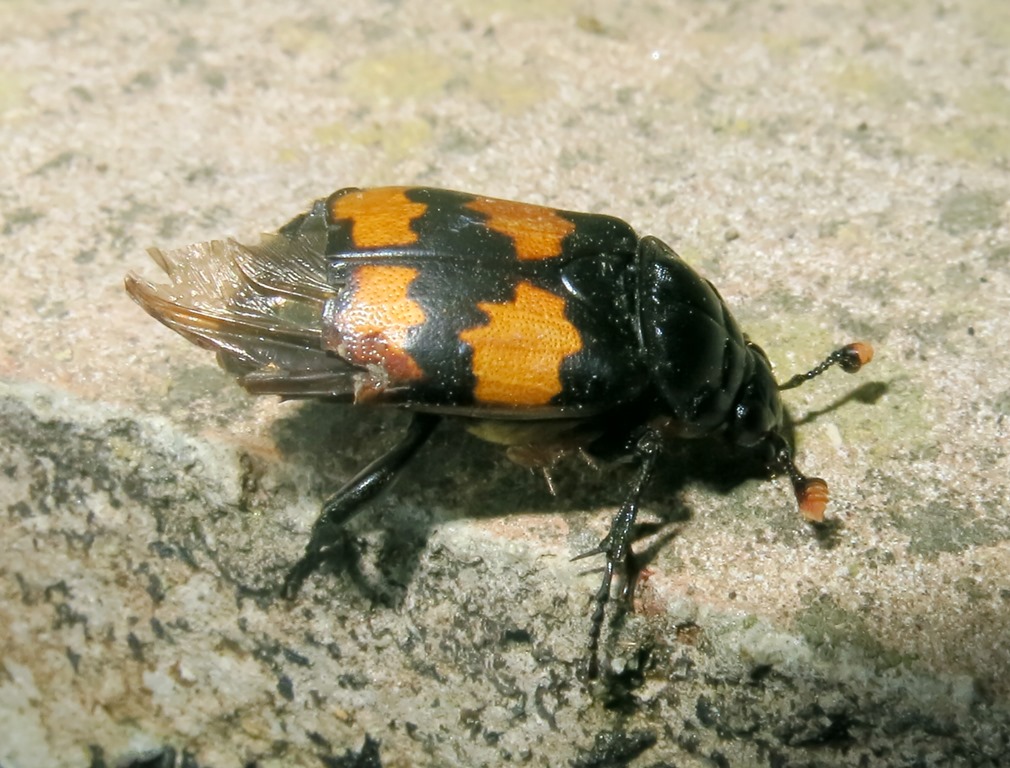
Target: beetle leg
617, 543
345, 503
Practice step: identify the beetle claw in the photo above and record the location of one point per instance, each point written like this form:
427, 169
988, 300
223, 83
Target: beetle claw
296, 576
332, 545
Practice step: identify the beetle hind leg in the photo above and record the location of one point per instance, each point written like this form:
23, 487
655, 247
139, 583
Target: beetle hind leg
327, 532
617, 544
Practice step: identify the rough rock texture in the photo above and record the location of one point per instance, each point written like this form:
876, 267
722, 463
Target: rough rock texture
838, 170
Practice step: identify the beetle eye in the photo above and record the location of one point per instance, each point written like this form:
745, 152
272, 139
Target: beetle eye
744, 419
752, 422
758, 412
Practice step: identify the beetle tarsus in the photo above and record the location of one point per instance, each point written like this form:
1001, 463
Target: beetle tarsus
347, 502
617, 544
297, 575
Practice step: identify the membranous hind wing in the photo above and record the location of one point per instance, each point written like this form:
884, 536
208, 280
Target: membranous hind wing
259, 307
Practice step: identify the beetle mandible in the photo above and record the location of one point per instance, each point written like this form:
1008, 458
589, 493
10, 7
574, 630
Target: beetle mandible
547, 331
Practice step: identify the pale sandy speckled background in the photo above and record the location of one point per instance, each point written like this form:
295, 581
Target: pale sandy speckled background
838, 169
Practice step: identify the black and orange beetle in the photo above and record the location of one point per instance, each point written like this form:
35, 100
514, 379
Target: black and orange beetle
543, 330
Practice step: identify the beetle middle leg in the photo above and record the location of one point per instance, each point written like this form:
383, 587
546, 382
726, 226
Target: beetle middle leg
617, 543
347, 502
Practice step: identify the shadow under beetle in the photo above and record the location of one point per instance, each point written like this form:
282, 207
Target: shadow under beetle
543, 330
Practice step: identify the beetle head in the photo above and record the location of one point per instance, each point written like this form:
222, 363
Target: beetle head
709, 377
758, 409
758, 419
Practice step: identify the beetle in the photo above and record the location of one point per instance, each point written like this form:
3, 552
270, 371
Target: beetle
544, 330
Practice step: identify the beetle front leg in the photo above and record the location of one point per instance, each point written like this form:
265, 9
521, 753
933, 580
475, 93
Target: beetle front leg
617, 543
347, 502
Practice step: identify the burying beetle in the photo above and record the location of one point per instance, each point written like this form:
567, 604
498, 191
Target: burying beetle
543, 330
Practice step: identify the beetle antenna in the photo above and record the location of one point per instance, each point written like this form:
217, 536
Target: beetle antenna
811, 492
849, 358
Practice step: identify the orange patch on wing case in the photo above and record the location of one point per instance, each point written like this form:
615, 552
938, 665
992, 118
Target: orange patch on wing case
536, 231
379, 217
368, 323
517, 356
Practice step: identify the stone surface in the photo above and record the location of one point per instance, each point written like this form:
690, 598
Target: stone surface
839, 171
